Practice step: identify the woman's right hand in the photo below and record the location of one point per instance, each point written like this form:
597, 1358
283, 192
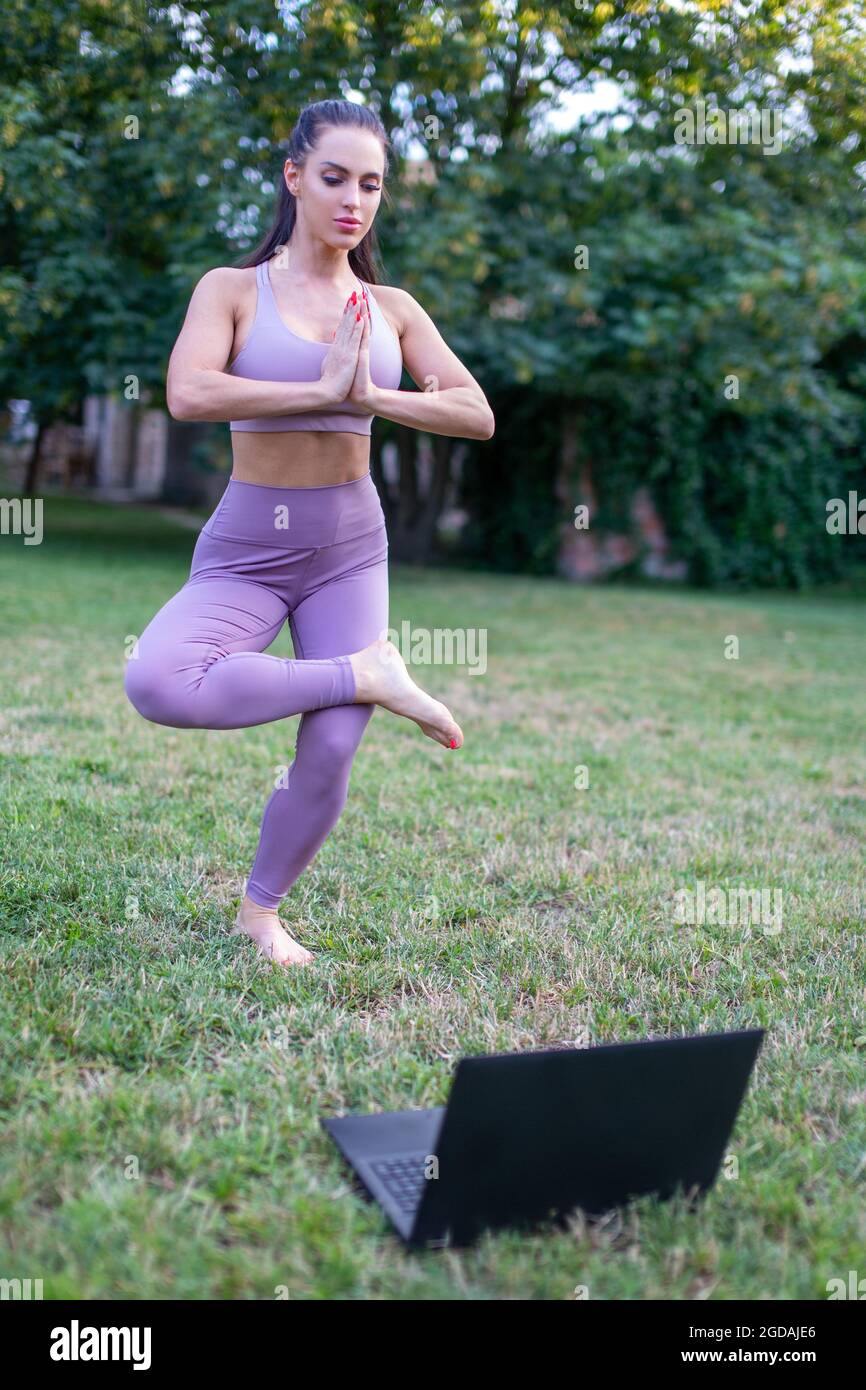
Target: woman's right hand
341, 359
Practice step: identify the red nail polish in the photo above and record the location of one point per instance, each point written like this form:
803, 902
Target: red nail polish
354, 296
453, 743
357, 316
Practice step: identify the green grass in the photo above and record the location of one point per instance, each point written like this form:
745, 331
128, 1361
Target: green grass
464, 903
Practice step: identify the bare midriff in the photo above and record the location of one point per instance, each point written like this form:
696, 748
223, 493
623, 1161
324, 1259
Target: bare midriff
299, 458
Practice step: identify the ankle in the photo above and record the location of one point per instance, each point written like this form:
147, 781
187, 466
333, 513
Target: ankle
363, 679
249, 908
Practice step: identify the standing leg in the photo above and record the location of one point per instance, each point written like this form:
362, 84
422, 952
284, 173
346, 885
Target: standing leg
342, 615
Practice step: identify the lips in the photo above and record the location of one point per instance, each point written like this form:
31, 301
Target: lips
346, 222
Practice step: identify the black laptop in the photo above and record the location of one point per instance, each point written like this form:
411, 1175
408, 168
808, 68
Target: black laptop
527, 1136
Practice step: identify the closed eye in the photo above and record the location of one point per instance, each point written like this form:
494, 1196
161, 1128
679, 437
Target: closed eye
367, 187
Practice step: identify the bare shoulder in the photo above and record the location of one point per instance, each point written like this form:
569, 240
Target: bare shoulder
228, 275
399, 306
225, 286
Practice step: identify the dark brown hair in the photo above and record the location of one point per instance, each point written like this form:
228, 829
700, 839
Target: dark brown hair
364, 257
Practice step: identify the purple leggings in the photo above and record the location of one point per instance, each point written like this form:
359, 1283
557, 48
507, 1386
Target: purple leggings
319, 556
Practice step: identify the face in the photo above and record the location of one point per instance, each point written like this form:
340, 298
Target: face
339, 189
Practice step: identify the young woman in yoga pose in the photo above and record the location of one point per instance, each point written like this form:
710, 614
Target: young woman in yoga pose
299, 532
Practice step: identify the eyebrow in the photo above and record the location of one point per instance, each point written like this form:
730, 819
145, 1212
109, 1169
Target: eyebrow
329, 163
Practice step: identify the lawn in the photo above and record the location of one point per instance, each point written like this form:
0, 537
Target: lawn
162, 1085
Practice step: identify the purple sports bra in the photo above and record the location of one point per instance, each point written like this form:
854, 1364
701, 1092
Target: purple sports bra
272, 352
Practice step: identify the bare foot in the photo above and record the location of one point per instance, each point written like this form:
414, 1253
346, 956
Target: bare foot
381, 678
269, 934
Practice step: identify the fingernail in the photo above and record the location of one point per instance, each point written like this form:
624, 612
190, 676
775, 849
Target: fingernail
357, 316
453, 743
354, 296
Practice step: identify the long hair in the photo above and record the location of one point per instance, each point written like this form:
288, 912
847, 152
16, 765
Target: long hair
364, 257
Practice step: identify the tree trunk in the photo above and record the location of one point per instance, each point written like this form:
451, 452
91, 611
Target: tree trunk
181, 484
425, 538
35, 461
412, 517
401, 511
407, 490
132, 433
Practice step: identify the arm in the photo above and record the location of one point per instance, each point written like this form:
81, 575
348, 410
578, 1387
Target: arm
198, 387
456, 405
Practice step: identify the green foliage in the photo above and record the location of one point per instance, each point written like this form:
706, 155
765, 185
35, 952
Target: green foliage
713, 348
706, 262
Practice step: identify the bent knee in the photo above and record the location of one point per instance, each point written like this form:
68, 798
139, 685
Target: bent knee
154, 694
142, 689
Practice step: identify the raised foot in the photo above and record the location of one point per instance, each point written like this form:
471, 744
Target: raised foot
381, 678
264, 927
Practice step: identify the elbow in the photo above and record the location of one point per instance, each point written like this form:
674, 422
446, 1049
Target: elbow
179, 408
480, 423
178, 402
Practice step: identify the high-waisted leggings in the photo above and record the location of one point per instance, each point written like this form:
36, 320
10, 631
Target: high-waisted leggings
319, 557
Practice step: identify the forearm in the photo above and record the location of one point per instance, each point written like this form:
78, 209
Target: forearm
458, 411
214, 395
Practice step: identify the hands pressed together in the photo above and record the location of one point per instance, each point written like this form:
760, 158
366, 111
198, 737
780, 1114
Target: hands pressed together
346, 368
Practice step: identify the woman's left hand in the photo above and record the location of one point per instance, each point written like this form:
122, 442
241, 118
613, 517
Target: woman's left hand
362, 389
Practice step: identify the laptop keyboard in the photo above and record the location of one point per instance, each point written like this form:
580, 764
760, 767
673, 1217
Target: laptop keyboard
403, 1177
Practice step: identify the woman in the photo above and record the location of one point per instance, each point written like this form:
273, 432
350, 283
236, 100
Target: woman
299, 532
